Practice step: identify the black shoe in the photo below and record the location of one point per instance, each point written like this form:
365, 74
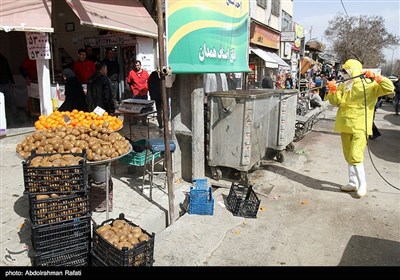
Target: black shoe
373, 137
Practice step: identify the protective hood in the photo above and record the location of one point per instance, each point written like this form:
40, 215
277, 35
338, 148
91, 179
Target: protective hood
353, 67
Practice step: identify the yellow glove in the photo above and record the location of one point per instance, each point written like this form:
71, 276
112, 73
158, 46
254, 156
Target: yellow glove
332, 86
371, 75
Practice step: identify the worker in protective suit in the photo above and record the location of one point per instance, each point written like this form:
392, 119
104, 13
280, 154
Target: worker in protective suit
353, 110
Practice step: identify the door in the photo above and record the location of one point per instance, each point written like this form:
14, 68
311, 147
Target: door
128, 57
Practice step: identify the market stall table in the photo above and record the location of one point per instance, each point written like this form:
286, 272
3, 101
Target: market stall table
137, 116
104, 166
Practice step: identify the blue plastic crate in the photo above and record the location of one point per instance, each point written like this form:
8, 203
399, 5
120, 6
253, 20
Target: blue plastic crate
201, 201
200, 184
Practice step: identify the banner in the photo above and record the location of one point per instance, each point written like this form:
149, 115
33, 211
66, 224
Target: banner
207, 36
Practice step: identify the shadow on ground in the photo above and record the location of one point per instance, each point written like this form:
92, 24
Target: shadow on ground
307, 181
370, 251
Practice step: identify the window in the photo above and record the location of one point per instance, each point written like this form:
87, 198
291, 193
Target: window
262, 3
276, 7
287, 22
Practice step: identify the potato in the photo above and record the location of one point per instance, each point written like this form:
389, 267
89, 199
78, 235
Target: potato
144, 237
42, 197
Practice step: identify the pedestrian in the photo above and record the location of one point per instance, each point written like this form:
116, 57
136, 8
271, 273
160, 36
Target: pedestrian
112, 70
83, 67
90, 55
315, 99
155, 94
288, 81
75, 98
396, 95
7, 86
99, 90
28, 70
375, 131
351, 115
322, 91
267, 82
138, 81
231, 80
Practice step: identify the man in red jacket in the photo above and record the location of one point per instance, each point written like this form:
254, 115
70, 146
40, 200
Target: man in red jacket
137, 79
83, 68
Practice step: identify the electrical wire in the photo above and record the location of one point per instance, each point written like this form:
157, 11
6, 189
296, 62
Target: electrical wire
344, 8
366, 136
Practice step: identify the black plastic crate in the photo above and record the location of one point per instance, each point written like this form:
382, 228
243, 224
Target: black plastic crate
201, 201
77, 255
243, 201
55, 210
48, 238
96, 260
142, 254
58, 180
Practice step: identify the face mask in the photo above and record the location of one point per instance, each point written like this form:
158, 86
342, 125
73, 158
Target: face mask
345, 76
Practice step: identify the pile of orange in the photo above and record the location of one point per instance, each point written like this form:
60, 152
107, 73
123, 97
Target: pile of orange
77, 118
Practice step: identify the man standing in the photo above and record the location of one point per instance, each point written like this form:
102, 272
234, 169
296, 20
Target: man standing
112, 71
267, 82
155, 94
355, 116
7, 85
138, 81
396, 96
28, 70
323, 86
99, 90
83, 68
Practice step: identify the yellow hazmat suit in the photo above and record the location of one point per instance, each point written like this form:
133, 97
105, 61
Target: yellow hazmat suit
355, 106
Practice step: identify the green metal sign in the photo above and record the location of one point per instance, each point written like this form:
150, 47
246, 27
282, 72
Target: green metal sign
207, 36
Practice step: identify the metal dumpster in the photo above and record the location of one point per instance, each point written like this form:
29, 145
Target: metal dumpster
281, 121
236, 130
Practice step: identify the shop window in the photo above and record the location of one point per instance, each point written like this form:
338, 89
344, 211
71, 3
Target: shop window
262, 3
287, 22
276, 7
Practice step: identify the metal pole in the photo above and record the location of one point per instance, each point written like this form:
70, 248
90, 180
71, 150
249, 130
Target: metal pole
168, 159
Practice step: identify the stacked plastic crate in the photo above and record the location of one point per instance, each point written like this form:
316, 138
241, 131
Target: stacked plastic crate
120, 242
201, 198
59, 208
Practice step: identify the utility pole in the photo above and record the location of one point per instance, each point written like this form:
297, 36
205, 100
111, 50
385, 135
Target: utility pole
168, 159
310, 32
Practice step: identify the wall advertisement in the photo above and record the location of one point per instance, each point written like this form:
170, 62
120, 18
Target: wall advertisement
207, 36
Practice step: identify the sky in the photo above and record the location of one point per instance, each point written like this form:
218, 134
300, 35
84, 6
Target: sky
314, 15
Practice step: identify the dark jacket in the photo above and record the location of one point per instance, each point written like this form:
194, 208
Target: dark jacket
75, 98
99, 93
112, 69
397, 87
267, 82
154, 84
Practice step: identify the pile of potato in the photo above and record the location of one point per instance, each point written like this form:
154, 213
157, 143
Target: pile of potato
101, 143
121, 234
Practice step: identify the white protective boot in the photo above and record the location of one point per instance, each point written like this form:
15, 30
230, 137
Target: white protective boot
353, 183
362, 188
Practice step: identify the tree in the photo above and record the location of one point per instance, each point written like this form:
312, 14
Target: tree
362, 38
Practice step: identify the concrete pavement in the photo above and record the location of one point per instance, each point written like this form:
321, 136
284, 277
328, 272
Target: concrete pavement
303, 220
15, 231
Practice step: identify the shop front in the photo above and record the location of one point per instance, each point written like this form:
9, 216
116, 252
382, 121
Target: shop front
264, 46
65, 27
